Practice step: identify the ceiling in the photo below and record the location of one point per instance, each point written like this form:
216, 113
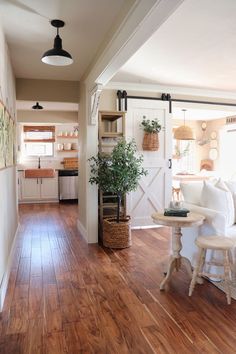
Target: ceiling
195, 47
29, 33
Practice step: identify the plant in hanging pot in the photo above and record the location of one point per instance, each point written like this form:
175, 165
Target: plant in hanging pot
151, 129
117, 173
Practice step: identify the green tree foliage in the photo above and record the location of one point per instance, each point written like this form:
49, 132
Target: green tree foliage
118, 172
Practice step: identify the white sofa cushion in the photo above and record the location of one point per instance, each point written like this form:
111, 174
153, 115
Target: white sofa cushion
192, 192
218, 198
232, 187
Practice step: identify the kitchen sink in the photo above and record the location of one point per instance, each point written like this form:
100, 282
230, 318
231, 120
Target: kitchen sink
40, 173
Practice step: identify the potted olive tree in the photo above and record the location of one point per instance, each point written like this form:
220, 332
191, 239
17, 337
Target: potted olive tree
151, 129
117, 173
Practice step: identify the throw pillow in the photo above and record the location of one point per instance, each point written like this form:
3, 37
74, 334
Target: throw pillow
192, 192
232, 187
218, 198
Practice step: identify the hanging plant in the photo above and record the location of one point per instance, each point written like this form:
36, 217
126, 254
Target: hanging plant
150, 126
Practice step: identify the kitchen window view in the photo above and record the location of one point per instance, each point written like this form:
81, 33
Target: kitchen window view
38, 141
48, 163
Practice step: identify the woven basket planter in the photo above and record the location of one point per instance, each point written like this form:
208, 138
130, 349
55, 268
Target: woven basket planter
151, 141
117, 235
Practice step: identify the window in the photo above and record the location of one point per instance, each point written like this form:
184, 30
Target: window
39, 149
184, 156
227, 146
38, 140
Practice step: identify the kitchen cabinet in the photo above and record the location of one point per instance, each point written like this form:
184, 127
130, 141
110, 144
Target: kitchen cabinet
38, 189
30, 188
49, 188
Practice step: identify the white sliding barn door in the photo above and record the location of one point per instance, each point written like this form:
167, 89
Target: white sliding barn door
154, 190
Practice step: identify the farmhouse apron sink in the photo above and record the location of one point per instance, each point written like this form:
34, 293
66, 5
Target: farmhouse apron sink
40, 173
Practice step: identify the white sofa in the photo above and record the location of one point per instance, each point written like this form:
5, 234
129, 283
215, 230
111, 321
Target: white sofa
220, 218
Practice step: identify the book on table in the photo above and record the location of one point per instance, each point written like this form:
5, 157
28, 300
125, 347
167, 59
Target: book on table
183, 212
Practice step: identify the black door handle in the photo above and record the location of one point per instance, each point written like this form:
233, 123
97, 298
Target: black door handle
170, 163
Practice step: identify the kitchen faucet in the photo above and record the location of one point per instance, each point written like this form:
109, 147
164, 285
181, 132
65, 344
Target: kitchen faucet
39, 165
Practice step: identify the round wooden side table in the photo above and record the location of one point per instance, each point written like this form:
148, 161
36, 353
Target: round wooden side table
176, 260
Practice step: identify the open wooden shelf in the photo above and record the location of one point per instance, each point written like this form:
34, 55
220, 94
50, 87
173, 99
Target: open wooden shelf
67, 150
67, 136
109, 127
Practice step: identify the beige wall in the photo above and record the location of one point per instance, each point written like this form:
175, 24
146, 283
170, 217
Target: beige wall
83, 157
47, 117
47, 90
88, 142
8, 200
213, 125
108, 100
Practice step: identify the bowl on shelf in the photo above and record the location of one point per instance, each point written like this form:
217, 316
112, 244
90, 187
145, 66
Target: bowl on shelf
74, 146
67, 146
60, 147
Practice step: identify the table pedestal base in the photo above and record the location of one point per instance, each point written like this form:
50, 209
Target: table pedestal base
175, 264
176, 260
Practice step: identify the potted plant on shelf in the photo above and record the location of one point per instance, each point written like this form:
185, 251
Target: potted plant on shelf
151, 129
117, 173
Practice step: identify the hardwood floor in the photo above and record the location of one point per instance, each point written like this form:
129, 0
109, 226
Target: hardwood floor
67, 297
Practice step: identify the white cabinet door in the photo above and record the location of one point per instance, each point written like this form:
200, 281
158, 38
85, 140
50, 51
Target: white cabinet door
30, 188
49, 188
154, 190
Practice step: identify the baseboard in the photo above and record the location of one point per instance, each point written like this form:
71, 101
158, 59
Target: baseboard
6, 276
82, 230
38, 201
146, 227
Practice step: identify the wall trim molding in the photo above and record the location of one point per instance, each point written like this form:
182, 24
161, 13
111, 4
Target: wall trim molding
82, 230
178, 90
146, 227
6, 276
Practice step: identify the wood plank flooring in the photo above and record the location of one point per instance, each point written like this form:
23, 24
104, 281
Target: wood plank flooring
65, 296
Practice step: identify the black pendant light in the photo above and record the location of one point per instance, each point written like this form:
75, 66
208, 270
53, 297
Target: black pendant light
37, 106
57, 56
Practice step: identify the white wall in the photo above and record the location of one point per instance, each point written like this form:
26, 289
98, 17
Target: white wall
8, 200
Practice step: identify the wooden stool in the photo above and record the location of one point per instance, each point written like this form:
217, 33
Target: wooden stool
223, 244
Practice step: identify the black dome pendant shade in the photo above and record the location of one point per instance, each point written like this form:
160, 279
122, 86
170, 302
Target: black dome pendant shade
37, 106
57, 56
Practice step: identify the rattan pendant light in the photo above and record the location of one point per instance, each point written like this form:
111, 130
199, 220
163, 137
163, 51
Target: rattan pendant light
184, 132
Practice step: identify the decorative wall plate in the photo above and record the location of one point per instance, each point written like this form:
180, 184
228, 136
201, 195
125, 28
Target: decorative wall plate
213, 135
